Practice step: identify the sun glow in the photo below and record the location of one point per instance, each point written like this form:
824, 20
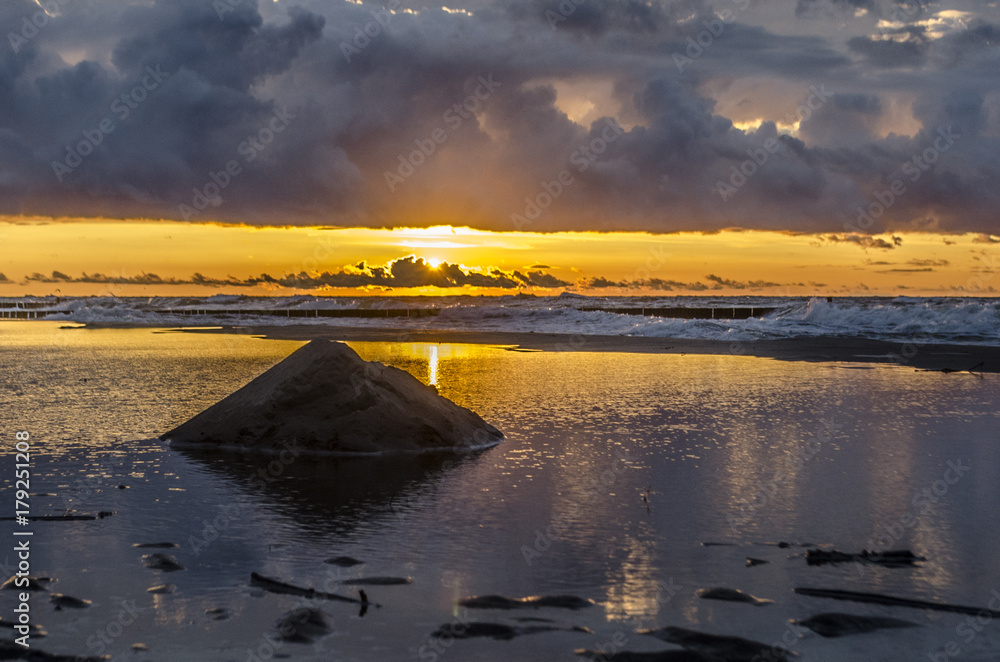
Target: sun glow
163, 258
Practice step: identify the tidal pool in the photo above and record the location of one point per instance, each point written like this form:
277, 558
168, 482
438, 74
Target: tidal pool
615, 470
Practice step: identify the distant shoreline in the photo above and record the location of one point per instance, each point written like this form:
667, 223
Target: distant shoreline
816, 349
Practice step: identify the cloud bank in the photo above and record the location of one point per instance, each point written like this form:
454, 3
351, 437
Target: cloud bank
599, 115
404, 272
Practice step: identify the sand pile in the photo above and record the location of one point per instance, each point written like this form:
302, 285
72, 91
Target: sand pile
324, 397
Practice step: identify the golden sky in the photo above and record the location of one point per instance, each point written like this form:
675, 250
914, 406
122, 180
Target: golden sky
140, 258
592, 142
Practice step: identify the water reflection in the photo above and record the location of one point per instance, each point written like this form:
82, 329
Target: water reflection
432, 366
323, 494
707, 433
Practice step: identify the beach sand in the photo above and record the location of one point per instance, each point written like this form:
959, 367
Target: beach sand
843, 349
725, 447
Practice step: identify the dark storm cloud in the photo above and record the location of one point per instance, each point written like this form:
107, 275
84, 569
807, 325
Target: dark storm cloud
138, 279
416, 272
659, 284
807, 7
412, 272
599, 283
297, 113
738, 285
864, 241
848, 120
405, 272
909, 50
597, 17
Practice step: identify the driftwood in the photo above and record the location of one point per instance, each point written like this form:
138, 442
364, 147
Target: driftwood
731, 595
890, 601
948, 371
719, 647
12, 651
278, 586
897, 558
840, 625
61, 518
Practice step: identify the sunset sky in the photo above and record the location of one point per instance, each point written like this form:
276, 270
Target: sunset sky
775, 147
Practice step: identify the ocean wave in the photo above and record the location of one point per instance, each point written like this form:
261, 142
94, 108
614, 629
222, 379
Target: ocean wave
916, 320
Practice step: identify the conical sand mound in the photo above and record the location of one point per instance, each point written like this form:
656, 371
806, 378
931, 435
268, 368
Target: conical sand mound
324, 397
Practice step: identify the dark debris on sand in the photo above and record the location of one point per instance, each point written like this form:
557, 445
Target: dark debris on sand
731, 595
12, 651
278, 586
303, 625
68, 602
833, 624
343, 561
164, 562
897, 558
719, 648
892, 601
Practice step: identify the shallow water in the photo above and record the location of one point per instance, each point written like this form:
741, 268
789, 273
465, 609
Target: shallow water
733, 449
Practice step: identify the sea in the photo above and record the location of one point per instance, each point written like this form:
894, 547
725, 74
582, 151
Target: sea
958, 320
631, 480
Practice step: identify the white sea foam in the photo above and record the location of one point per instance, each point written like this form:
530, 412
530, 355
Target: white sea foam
929, 320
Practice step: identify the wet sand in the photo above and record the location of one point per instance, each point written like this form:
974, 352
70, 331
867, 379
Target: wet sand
728, 449
842, 349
